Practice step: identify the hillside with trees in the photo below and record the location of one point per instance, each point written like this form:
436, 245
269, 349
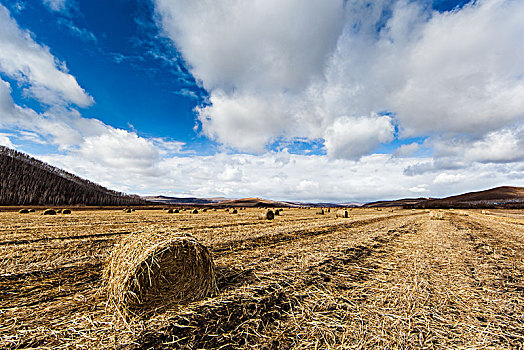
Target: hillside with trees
28, 181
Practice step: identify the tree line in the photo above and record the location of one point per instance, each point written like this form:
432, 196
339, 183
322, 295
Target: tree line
25, 180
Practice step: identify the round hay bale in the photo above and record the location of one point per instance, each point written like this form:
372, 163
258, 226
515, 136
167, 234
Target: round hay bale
66, 211
23, 211
176, 211
342, 214
268, 215
329, 210
49, 212
204, 210
59, 211
170, 211
128, 211
151, 271
195, 211
31, 210
320, 212
234, 211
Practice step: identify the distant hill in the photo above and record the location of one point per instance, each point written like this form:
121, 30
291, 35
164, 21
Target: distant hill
397, 202
504, 196
27, 181
183, 200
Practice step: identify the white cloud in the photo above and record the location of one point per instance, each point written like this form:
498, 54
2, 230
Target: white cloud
31, 64
56, 5
271, 74
5, 141
351, 137
407, 150
445, 178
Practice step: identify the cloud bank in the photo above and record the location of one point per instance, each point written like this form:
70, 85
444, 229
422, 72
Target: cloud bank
332, 70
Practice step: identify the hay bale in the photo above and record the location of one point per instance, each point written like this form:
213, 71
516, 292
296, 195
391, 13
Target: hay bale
234, 211
277, 212
66, 211
23, 211
170, 211
59, 211
342, 214
329, 210
204, 210
151, 271
128, 210
177, 211
49, 212
195, 211
320, 212
268, 215
31, 210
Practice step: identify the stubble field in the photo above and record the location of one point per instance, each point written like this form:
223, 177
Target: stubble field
396, 279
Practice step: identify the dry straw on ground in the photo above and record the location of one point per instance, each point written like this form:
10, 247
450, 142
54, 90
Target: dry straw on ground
148, 272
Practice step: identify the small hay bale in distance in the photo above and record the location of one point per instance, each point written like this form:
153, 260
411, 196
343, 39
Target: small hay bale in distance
195, 211
204, 210
268, 215
170, 211
49, 212
59, 211
342, 214
128, 211
66, 211
150, 271
23, 211
277, 212
31, 210
234, 211
320, 212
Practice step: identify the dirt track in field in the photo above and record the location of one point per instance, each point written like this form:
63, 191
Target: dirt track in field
379, 279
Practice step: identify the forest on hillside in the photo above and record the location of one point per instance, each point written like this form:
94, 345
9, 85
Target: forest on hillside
28, 181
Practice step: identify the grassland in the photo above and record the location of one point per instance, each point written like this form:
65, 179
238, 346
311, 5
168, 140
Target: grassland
392, 279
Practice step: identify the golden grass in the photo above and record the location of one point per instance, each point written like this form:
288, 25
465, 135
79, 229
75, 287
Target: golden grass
375, 280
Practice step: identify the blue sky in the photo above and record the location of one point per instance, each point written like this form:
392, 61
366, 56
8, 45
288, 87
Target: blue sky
194, 98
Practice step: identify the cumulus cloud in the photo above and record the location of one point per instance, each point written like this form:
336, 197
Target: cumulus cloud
32, 65
271, 74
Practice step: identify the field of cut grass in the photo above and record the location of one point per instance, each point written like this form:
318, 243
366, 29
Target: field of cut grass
396, 279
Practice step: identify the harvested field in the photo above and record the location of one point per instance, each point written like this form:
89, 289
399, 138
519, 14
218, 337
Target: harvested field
378, 279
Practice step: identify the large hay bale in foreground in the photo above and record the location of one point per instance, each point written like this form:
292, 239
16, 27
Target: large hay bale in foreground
342, 214
151, 271
268, 215
49, 212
